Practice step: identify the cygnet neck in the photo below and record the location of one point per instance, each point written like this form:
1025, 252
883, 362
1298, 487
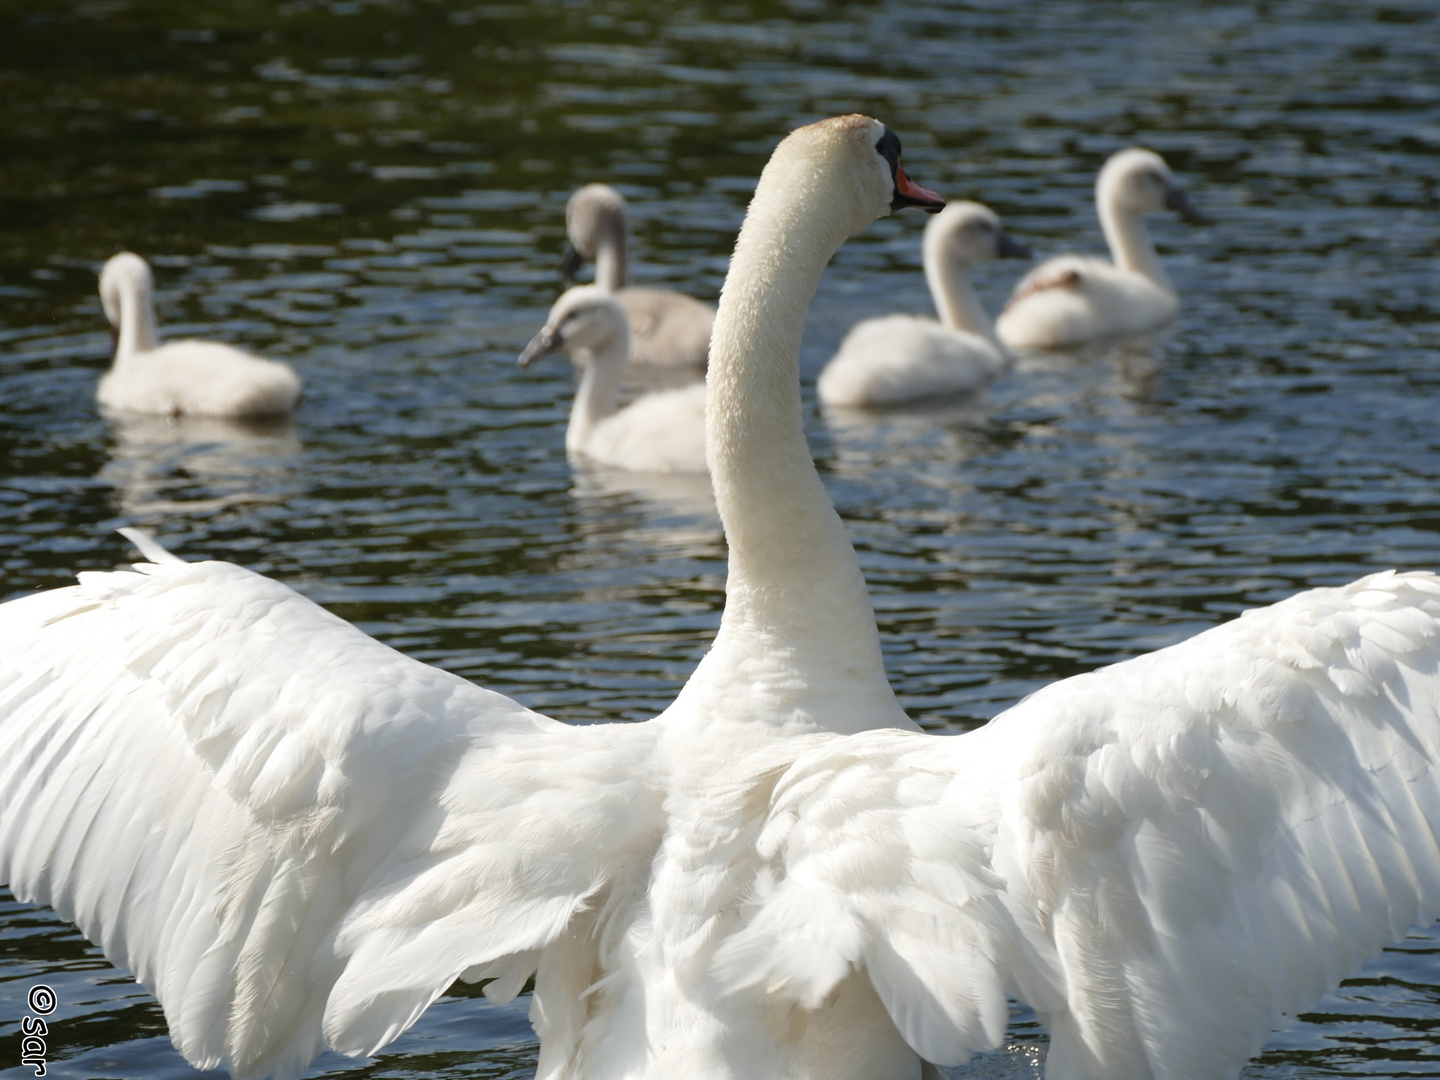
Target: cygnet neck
612, 254
795, 599
136, 331
595, 398
955, 299
1129, 241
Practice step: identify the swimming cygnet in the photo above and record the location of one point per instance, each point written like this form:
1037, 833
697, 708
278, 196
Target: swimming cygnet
180, 378
659, 432
669, 331
906, 359
1072, 301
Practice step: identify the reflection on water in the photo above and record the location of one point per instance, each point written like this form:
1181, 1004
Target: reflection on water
675, 511
375, 193
163, 465
944, 430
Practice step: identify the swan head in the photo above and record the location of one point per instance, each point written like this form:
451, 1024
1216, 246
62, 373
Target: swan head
1139, 181
967, 234
903, 191
585, 317
846, 168
594, 214
125, 274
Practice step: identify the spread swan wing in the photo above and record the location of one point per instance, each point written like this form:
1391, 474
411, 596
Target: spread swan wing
1161, 857
294, 835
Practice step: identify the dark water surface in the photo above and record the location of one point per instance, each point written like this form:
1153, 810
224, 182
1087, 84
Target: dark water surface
375, 192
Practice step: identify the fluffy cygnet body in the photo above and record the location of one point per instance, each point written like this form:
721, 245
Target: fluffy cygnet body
180, 378
669, 331
908, 359
659, 432
1072, 301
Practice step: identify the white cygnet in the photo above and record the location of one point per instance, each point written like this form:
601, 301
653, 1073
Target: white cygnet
180, 378
659, 432
1072, 301
909, 359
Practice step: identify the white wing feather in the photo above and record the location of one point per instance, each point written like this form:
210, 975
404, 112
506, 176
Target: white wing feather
1161, 857
291, 833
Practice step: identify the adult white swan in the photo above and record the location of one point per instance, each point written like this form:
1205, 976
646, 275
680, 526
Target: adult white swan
900, 359
180, 378
659, 432
298, 837
1072, 300
669, 331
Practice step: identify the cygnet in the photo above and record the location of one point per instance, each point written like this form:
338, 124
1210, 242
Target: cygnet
180, 378
909, 359
1073, 301
659, 432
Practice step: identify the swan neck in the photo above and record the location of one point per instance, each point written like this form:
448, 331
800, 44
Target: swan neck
794, 591
612, 259
137, 331
595, 398
956, 301
1129, 241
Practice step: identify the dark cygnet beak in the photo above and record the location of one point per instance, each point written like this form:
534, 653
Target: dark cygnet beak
542, 344
569, 263
1175, 200
1008, 248
909, 193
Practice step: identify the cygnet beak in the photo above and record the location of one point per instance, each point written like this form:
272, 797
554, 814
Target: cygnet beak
542, 344
1175, 200
1009, 248
569, 263
909, 193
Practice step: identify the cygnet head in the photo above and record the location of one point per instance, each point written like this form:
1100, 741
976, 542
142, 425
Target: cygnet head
127, 293
594, 214
1139, 181
967, 234
125, 274
585, 317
